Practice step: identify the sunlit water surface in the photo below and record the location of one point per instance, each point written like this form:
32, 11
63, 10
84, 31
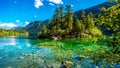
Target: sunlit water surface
18, 52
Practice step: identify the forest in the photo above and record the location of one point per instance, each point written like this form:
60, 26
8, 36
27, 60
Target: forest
8, 32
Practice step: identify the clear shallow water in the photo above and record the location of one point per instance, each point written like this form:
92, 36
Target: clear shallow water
16, 52
19, 52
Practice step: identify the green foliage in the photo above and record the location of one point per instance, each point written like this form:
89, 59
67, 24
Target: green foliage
111, 1
66, 23
78, 27
105, 55
82, 14
103, 9
114, 42
5, 32
44, 29
95, 32
90, 21
109, 20
69, 17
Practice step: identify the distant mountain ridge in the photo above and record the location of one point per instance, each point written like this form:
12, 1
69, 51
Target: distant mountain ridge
17, 28
96, 9
34, 27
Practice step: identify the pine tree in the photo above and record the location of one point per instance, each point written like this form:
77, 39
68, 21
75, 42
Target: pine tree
61, 14
69, 17
83, 18
56, 18
78, 26
90, 21
44, 29
82, 15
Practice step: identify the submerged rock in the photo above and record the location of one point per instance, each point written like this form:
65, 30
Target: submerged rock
63, 65
68, 64
21, 57
9, 66
30, 54
87, 63
78, 58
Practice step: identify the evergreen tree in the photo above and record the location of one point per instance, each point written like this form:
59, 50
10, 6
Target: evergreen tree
82, 15
90, 21
83, 18
44, 29
61, 14
56, 18
69, 17
78, 26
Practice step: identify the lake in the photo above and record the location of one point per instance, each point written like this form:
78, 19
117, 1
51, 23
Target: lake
28, 52
18, 52
21, 52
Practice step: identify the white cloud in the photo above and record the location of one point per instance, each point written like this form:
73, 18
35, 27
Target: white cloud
18, 21
38, 3
56, 1
7, 25
51, 4
26, 23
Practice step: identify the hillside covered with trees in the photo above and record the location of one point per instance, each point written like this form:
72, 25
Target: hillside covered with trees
66, 24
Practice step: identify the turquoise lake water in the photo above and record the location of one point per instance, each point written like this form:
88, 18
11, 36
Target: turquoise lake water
18, 52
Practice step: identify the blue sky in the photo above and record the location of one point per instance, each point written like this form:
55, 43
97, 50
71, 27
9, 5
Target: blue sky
21, 12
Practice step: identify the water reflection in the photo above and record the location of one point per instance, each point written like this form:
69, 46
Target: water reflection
28, 43
8, 41
19, 53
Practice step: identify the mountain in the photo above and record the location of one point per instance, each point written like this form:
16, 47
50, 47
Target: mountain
7, 25
96, 9
34, 27
17, 28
